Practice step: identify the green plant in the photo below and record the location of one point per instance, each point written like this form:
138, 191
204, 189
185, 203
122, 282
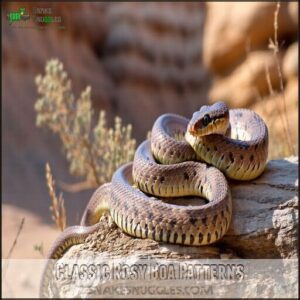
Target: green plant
39, 248
93, 153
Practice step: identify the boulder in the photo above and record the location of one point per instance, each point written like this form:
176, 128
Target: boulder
265, 213
233, 27
248, 82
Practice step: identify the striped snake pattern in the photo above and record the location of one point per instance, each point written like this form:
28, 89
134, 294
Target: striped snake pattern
184, 158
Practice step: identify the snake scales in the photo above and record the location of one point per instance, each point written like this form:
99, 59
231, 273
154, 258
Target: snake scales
232, 141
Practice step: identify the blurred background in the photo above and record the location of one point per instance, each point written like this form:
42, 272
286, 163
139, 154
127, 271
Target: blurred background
141, 60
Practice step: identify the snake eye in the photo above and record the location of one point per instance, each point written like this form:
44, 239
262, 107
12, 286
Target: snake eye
206, 120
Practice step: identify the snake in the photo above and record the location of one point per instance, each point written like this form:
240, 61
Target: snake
183, 157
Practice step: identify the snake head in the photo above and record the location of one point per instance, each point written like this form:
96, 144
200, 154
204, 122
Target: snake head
210, 119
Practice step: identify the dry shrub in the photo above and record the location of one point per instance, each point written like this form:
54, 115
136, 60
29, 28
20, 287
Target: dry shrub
93, 153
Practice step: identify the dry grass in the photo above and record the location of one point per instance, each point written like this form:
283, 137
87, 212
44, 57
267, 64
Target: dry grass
274, 105
288, 148
57, 208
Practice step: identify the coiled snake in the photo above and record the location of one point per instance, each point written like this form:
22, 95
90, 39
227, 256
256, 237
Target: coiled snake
231, 142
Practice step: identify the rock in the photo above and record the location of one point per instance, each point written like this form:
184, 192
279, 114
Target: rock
290, 62
248, 82
231, 28
265, 213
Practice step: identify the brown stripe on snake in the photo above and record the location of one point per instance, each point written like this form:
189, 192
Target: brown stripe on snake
233, 141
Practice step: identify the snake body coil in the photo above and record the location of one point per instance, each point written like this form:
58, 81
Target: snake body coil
233, 141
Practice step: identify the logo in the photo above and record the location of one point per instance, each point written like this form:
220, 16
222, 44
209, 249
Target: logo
16, 16
37, 18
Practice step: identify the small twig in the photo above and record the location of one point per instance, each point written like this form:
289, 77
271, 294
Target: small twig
16, 239
13, 246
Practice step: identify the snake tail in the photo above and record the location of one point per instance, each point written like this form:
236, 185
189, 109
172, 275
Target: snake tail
75, 235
